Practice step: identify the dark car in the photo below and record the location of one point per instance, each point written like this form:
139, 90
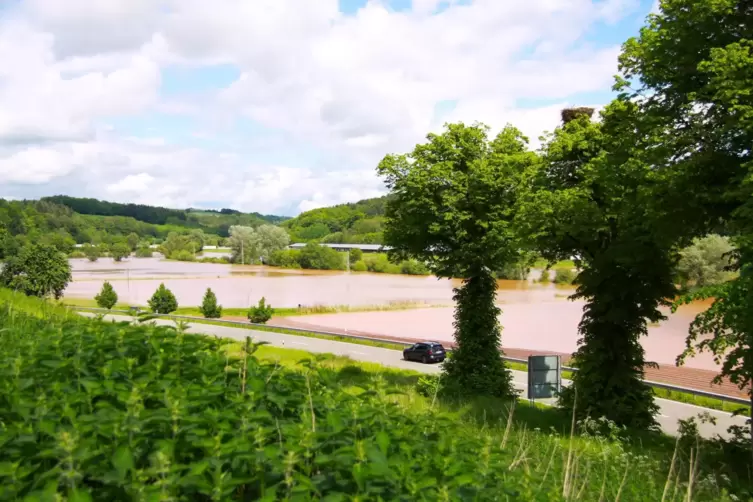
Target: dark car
426, 352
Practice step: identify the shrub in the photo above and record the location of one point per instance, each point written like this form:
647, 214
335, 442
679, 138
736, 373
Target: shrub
545, 277
163, 301
107, 297
428, 385
76, 254
392, 269
564, 276
209, 307
91, 252
414, 267
355, 255
317, 257
377, 263
359, 266
183, 255
37, 270
144, 252
285, 258
514, 272
120, 251
261, 313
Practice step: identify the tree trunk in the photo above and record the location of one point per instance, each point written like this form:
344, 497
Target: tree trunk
610, 358
476, 366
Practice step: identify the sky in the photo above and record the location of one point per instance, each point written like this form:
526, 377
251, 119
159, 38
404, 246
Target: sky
278, 106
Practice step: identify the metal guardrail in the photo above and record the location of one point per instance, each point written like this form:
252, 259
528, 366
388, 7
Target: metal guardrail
665, 386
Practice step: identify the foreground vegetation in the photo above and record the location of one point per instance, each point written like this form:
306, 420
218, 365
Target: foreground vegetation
152, 412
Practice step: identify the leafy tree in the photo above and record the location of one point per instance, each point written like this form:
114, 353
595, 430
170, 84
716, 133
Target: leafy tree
726, 331
107, 297
133, 240
705, 262
256, 243
596, 197
209, 307
37, 270
241, 242
92, 252
413, 267
691, 73
120, 251
564, 276
261, 313
143, 252
356, 255
163, 301
314, 256
285, 258
451, 206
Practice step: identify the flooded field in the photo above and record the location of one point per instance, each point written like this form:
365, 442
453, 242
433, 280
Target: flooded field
537, 317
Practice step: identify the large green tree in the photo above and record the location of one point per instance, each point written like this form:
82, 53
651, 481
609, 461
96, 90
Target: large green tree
594, 197
37, 270
451, 206
691, 72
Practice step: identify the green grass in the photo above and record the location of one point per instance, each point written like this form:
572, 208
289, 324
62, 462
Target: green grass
683, 397
108, 411
278, 312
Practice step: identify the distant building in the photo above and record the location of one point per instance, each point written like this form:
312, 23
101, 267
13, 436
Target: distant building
366, 248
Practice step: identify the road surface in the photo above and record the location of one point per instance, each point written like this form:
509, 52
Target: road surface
669, 411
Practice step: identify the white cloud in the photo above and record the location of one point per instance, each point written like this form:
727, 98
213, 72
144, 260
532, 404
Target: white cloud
343, 89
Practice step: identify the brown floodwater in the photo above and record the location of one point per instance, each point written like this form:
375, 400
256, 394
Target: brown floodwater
537, 317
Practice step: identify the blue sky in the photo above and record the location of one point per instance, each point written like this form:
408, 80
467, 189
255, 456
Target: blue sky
282, 108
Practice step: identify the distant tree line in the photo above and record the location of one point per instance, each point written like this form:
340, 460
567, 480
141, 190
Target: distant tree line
211, 221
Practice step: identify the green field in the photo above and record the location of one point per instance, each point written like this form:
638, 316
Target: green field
110, 411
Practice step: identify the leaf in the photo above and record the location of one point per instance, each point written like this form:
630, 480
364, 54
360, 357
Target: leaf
122, 460
383, 440
79, 496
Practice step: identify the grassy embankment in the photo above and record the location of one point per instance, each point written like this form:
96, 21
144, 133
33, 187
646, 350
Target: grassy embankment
149, 412
683, 397
278, 312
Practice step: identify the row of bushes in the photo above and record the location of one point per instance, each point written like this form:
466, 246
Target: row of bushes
317, 257
163, 301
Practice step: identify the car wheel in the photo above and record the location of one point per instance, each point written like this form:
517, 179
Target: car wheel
425, 360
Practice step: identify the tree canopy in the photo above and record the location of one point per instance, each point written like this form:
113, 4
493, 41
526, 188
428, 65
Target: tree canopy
451, 206
37, 270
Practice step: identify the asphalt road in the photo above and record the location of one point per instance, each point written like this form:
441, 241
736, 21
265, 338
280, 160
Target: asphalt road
669, 411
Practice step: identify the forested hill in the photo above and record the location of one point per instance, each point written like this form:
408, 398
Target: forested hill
355, 223
211, 221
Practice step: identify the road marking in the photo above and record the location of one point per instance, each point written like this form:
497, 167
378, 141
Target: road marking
356, 352
298, 343
663, 416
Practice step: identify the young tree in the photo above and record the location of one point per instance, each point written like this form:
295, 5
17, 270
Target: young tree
92, 252
119, 251
706, 262
107, 297
595, 197
317, 257
209, 307
133, 241
163, 301
451, 206
37, 270
241, 242
261, 313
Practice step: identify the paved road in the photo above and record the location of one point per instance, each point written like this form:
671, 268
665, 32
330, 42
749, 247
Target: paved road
669, 411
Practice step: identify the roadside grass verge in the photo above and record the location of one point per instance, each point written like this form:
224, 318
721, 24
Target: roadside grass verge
170, 415
683, 397
234, 312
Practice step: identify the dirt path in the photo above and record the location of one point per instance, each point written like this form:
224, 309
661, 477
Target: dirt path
685, 377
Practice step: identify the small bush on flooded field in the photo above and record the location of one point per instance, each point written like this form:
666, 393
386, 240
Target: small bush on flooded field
91, 410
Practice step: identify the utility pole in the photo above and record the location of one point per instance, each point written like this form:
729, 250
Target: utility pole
242, 256
348, 260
